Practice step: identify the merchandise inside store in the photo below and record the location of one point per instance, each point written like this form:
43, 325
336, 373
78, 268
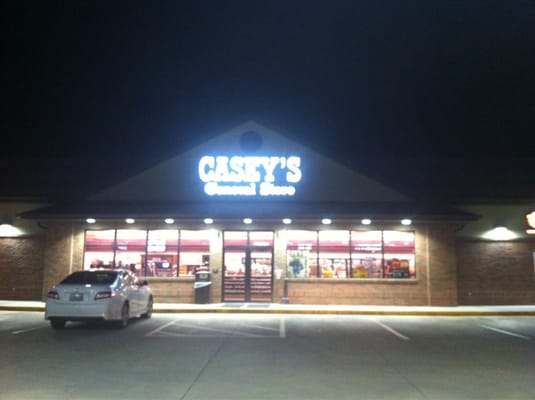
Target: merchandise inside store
337, 254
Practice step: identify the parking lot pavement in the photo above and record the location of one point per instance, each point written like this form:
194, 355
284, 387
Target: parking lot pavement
270, 356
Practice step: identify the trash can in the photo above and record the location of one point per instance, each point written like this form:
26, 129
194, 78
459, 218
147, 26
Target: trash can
202, 287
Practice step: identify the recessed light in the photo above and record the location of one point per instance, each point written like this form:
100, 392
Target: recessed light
208, 221
169, 220
286, 221
130, 220
90, 220
366, 221
247, 221
406, 221
326, 221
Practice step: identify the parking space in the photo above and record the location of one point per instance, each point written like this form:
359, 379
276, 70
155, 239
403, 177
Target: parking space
223, 326
269, 356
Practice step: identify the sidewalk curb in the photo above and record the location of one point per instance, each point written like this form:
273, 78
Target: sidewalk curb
222, 310
348, 312
21, 308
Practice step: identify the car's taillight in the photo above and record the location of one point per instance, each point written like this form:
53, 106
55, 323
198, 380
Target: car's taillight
103, 294
53, 295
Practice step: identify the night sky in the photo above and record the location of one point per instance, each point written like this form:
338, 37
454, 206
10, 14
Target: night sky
358, 79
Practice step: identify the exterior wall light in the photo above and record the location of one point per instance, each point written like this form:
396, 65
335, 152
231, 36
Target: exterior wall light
530, 221
208, 221
406, 221
130, 220
247, 221
326, 221
366, 221
8, 230
286, 221
500, 232
169, 220
90, 220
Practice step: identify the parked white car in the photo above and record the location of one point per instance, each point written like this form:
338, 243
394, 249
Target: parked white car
98, 295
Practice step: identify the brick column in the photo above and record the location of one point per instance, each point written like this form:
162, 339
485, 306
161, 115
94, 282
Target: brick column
63, 252
441, 268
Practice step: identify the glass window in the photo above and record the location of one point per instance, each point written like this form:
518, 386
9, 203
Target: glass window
90, 277
162, 253
399, 254
99, 248
130, 249
194, 251
235, 238
334, 254
355, 254
261, 238
302, 253
148, 253
366, 254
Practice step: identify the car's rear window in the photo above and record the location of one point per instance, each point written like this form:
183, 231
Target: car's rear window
90, 277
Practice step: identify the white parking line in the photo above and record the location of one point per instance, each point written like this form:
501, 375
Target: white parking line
490, 328
162, 327
391, 330
207, 331
27, 330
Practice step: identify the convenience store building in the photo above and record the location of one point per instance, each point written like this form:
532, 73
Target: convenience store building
274, 221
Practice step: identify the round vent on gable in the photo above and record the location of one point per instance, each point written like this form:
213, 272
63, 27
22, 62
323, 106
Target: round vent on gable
250, 141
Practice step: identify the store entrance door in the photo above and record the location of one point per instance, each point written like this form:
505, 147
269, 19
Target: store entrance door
248, 266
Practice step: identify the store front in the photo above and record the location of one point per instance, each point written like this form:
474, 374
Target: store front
268, 219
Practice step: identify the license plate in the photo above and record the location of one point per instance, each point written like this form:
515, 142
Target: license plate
77, 297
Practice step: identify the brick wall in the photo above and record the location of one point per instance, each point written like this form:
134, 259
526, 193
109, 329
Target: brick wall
21, 268
172, 290
63, 254
361, 292
440, 271
495, 273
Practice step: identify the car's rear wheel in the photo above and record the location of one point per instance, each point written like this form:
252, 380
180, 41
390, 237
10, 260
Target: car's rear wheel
125, 316
57, 323
150, 306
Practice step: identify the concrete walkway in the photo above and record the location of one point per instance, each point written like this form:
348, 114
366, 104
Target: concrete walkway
277, 308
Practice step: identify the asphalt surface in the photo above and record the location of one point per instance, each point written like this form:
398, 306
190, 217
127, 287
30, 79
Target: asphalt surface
269, 356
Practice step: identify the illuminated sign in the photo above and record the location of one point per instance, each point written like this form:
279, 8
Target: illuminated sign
530, 220
250, 176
